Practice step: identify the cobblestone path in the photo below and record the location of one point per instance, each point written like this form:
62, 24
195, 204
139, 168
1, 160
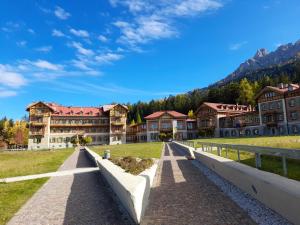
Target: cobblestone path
79, 199
181, 194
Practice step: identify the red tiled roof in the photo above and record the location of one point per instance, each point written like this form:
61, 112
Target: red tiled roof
220, 107
158, 114
59, 110
75, 111
277, 89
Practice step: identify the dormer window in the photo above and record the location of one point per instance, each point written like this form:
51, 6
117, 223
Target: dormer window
71, 113
91, 113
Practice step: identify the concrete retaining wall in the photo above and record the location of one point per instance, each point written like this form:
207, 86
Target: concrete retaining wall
276, 192
189, 149
132, 191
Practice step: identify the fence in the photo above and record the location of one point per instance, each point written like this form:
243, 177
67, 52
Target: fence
257, 150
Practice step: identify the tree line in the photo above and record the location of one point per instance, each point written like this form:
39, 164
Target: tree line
238, 91
13, 133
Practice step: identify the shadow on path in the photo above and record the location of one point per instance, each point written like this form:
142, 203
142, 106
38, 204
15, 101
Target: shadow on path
193, 200
90, 202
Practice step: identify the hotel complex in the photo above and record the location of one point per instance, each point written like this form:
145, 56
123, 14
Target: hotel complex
54, 126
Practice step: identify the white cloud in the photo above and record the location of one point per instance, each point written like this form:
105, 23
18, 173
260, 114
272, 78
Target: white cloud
82, 50
61, 13
22, 43
108, 58
44, 49
57, 33
102, 38
80, 33
192, 7
31, 31
237, 46
7, 93
10, 78
145, 30
153, 20
43, 64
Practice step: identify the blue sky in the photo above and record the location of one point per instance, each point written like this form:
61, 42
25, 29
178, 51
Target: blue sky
92, 52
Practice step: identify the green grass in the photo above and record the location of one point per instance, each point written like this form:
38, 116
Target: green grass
139, 150
276, 142
14, 195
271, 164
31, 162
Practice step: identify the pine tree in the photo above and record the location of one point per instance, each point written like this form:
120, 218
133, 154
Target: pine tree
132, 122
138, 117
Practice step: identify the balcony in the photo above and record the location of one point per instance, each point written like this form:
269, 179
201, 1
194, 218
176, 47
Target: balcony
36, 133
77, 124
118, 131
38, 123
117, 123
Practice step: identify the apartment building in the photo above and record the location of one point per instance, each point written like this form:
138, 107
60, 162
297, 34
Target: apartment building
136, 133
53, 126
292, 103
277, 107
209, 115
244, 124
171, 123
192, 130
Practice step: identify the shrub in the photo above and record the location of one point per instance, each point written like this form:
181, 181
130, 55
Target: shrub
133, 165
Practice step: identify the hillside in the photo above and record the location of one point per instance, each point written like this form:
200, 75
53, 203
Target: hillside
263, 61
282, 65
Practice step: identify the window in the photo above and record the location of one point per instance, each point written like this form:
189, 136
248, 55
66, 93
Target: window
278, 105
264, 106
280, 117
256, 132
233, 133
294, 115
292, 102
295, 129
154, 125
248, 132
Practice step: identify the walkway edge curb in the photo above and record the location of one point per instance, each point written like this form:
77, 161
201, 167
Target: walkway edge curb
132, 191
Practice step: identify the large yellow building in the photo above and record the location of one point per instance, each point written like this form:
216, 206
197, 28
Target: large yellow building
53, 126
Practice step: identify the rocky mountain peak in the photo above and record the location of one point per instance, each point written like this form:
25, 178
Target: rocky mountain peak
261, 53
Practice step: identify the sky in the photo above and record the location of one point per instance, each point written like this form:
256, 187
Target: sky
95, 52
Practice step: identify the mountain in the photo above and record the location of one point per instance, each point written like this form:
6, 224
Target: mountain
285, 54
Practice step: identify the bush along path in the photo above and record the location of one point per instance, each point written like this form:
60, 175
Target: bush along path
72, 199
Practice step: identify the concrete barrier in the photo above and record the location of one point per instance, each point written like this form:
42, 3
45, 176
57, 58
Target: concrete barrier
276, 192
132, 191
189, 149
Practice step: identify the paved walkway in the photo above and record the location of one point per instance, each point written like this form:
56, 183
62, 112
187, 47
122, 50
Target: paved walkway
70, 200
183, 195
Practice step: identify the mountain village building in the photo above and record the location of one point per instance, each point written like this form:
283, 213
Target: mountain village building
171, 123
53, 126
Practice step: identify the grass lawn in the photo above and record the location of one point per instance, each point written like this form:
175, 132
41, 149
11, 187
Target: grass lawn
139, 150
276, 142
271, 164
14, 195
